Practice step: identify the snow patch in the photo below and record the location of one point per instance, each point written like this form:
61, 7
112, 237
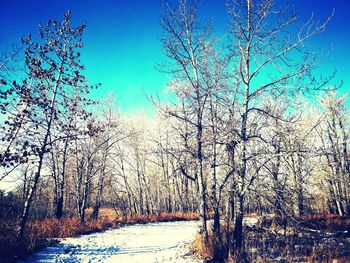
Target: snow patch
155, 242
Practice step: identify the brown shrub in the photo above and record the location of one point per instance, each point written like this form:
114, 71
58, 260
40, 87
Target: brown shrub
104, 212
252, 215
214, 249
201, 249
162, 217
319, 216
66, 227
330, 222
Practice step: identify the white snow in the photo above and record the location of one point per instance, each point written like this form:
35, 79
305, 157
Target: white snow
156, 242
251, 221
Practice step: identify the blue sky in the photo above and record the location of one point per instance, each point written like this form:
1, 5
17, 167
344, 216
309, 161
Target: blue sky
122, 44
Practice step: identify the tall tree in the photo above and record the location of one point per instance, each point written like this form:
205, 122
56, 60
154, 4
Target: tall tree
187, 43
53, 85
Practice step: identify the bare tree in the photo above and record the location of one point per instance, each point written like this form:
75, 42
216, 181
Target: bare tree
54, 83
334, 134
264, 46
187, 43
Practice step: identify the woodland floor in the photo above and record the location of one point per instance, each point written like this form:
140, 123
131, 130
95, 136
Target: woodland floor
154, 242
319, 239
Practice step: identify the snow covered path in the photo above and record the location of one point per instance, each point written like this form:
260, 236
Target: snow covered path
155, 242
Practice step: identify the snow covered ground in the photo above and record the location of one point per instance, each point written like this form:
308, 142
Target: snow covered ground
156, 242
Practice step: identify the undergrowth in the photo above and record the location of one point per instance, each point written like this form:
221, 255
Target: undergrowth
270, 243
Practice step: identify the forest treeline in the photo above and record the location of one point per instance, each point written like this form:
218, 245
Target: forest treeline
252, 127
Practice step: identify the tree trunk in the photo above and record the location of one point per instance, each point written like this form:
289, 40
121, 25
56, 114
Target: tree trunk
238, 231
202, 187
59, 206
25, 213
97, 205
60, 198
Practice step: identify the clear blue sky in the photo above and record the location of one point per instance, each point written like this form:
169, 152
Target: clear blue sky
122, 46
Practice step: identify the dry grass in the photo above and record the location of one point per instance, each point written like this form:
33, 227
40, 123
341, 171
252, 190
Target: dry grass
330, 222
252, 215
201, 249
104, 212
213, 248
162, 217
40, 233
67, 227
